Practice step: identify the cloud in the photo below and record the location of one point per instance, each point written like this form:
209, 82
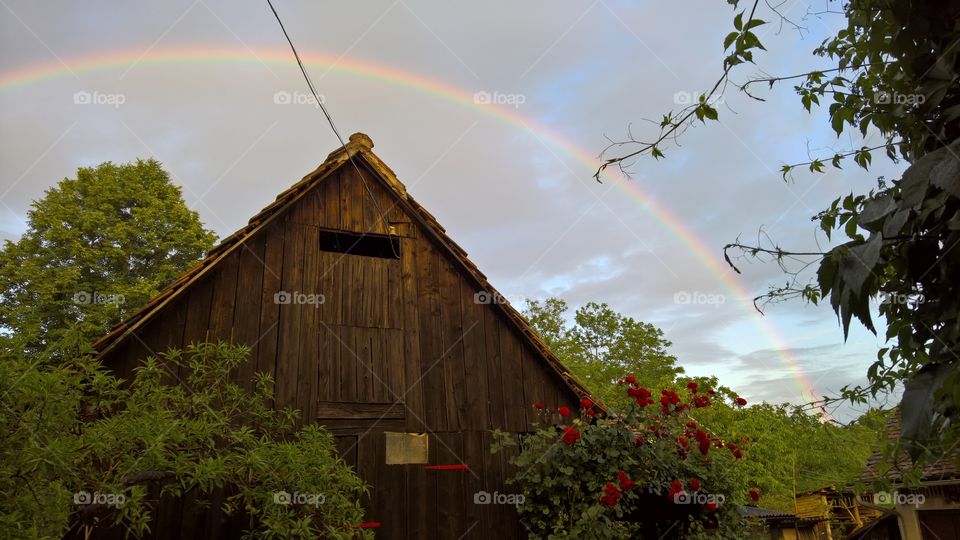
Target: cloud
506, 187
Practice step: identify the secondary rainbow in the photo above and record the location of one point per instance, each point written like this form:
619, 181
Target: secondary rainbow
123, 60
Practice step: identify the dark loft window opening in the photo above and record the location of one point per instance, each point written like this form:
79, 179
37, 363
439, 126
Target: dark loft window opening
367, 245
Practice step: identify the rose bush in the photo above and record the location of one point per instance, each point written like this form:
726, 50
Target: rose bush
648, 471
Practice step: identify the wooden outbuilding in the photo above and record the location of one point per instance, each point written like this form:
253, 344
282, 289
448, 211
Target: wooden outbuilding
376, 325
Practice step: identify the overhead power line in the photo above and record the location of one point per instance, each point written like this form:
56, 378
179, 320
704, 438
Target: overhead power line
333, 126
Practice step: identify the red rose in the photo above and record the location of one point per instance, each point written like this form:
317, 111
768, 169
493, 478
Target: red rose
611, 496
591, 412
711, 391
570, 435
683, 441
711, 506
630, 379
670, 396
625, 482
737, 454
675, 487
695, 484
692, 386
704, 446
755, 495
538, 405
740, 401
701, 401
692, 425
564, 411
586, 403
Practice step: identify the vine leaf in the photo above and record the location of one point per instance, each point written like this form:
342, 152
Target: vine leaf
918, 407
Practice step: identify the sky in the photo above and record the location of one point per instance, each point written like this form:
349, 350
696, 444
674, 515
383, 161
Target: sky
493, 114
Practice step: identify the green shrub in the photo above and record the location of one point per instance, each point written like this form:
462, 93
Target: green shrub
79, 448
649, 471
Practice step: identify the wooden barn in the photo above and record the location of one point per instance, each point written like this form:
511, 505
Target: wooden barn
410, 344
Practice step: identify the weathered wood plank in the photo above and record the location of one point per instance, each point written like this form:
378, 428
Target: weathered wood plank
391, 495
496, 406
412, 389
328, 200
431, 340
290, 314
478, 520
395, 370
512, 373
452, 333
475, 360
367, 457
328, 384
376, 206
309, 363
198, 318
330, 281
533, 384
366, 376
351, 196
165, 332
246, 316
224, 298
348, 364
269, 309
381, 371
351, 282
360, 410
420, 488
332, 287
393, 312
451, 490
345, 426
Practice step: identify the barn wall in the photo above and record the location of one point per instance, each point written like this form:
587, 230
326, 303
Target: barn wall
389, 331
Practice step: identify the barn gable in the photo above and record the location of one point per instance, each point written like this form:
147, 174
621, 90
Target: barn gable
371, 320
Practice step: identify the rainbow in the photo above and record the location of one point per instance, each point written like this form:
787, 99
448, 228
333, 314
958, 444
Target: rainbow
125, 60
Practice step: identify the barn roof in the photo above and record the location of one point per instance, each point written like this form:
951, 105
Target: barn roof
359, 148
763, 513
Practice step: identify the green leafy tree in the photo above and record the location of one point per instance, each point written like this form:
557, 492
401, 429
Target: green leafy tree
96, 248
893, 70
602, 346
793, 451
80, 448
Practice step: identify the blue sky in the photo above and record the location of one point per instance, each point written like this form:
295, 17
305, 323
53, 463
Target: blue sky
528, 212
